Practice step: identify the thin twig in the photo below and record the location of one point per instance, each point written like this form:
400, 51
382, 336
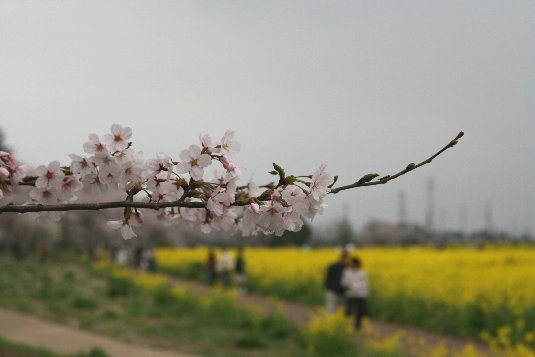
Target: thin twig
105, 205
410, 167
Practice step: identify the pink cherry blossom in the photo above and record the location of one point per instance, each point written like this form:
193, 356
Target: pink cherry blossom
169, 191
70, 185
255, 207
229, 147
49, 176
159, 167
294, 196
126, 230
44, 195
271, 219
320, 182
208, 143
81, 165
193, 162
130, 169
95, 146
313, 207
118, 139
252, 189
293, 221
227, 163
4, 173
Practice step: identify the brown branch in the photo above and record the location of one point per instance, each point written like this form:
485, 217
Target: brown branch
410, 167
105, 205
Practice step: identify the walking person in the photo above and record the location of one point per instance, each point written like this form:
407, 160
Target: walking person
210, 267
239, 272
355, 281
334, 291
225, 266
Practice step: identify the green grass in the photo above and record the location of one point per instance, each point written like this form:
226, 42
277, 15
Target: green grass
20, 350
72, 292
17, 349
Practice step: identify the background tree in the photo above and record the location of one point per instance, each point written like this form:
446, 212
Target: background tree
3, 143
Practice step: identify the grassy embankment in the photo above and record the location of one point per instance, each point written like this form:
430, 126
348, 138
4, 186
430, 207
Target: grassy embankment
145, 310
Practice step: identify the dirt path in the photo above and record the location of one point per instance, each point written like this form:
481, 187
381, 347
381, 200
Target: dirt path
416, 342
21, 328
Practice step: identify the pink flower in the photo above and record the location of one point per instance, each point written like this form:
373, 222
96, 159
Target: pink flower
229, 147
313, 207
208, 143
70, 185
118, 139
255, 207
81, 165
126, 230
4, 173
160, 167
44, 195
193, 162
169, 191
293, 221
94, 146
271, 219
319, 185
49, 176
227, 163
295, 197
252, 189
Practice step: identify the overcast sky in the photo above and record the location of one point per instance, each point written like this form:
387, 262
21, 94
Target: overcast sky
367, 86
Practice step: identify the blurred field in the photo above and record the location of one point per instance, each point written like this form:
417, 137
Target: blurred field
144, 309
486, 294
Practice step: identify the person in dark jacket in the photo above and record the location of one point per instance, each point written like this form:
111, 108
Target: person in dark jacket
334, 291
210, 267
239, 272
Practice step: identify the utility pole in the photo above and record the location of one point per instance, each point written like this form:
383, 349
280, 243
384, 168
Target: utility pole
402, 213
430, 213
489, 224
463, 219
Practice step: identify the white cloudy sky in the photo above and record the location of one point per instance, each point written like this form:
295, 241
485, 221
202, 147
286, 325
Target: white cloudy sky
367, 86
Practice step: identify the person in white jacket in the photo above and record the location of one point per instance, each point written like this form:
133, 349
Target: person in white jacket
357, 290
225, 265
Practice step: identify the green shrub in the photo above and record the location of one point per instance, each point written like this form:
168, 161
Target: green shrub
252, 339
84, 303
94, 352
163, 296
277, 326
120, 286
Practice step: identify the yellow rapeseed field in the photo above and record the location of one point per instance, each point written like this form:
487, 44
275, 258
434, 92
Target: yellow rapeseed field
464, 291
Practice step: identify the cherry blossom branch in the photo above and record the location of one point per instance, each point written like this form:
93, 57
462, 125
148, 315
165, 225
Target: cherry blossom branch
163, 184
366, 180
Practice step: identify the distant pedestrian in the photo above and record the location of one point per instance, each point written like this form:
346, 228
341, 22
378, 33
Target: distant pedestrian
43, 252
225, 265
355, 281
334, 291
210, 267
150, 258
240, 278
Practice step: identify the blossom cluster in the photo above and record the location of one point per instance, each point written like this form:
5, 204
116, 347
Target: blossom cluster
12, 171
110, 163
